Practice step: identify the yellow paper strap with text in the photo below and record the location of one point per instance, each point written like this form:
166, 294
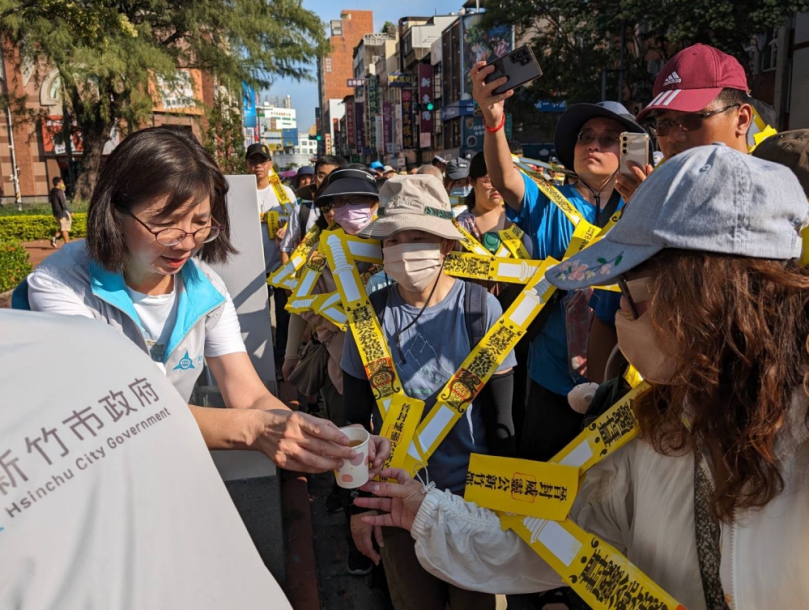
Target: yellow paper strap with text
611, 431
469, 242
273, 223
465, 384
362, 320
490, 268
284, 276
596, 571
403, 415
512, 239
280, 191
312, 270
478, 367
524, 487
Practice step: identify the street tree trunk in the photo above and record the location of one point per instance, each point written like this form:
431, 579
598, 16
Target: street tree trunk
94, 136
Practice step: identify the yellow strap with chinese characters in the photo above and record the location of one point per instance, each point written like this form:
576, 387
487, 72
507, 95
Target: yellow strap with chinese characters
596, 571
611, 431
312, 271
487, 356
512, 239
280, 192
273, 218
362, 320
478, 367
284, 276
468, 240
524, 487
273, 222
490, 268
403, 415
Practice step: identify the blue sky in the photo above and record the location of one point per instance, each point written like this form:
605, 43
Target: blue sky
304, 94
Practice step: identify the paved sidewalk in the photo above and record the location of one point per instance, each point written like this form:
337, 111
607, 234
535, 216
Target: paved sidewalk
40, 250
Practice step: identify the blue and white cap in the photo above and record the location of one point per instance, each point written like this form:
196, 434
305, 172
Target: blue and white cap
710, 198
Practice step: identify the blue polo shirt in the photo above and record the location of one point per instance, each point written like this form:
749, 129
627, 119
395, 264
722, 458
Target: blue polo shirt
550, 231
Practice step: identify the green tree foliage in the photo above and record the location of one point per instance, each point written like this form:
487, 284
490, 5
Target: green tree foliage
108, 53
575, 39
224, 137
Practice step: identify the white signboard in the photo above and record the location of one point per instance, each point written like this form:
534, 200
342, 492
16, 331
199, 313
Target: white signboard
245, 279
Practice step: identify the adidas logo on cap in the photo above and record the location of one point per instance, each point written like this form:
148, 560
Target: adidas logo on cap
672, 79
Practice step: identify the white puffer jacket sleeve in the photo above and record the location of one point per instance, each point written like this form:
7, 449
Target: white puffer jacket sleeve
463, 544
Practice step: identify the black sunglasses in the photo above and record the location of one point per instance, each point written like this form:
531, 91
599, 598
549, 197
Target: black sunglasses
687, 122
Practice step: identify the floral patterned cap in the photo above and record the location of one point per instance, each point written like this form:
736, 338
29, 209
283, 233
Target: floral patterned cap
710, 198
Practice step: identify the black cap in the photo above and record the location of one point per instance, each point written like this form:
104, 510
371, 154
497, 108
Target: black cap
457, 169
258, 149
347, 182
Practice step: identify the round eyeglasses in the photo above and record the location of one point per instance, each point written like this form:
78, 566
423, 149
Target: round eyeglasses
605, 140
173, 236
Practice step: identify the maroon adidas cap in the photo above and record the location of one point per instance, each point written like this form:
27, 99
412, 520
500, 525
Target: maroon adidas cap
693, 78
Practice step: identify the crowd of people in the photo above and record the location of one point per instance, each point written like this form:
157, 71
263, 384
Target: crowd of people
710, 310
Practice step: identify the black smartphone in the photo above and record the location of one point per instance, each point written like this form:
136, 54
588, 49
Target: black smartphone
520, 66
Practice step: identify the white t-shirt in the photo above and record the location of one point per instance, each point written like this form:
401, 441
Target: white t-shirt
157, 314
268, 202
294, 235
108, 495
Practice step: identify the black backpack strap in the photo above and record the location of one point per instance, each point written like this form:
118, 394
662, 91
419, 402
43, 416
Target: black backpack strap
304, 209
475, 308
379, 300
606, 213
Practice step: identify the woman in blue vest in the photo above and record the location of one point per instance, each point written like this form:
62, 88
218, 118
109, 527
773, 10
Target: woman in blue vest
157, 218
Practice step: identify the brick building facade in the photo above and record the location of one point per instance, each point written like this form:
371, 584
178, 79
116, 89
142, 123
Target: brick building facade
334, 69
40, 153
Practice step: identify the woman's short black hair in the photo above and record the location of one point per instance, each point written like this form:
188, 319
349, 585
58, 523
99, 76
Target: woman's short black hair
477, 169
148, 165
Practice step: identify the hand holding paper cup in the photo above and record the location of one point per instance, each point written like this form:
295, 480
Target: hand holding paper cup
354, 473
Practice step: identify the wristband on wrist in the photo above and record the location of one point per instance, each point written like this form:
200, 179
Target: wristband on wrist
498, 128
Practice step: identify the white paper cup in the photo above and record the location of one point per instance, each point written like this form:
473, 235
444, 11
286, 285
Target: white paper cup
354, 473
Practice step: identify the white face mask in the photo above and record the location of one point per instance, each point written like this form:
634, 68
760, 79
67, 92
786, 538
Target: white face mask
413, 266
638, 341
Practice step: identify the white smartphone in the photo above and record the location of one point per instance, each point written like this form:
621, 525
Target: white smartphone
635, 148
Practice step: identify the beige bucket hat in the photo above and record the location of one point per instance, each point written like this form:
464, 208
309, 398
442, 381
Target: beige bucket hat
413, 203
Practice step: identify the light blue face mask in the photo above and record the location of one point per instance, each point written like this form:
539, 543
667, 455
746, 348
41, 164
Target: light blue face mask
460, 191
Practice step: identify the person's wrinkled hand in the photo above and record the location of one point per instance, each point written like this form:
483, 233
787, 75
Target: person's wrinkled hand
279, 234
300, 442
289, 366
399, 502
362, 533
379, 449
627, 185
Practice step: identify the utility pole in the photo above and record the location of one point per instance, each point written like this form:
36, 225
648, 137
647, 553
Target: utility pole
15, 174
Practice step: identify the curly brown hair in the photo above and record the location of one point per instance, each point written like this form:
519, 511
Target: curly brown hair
738, 328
